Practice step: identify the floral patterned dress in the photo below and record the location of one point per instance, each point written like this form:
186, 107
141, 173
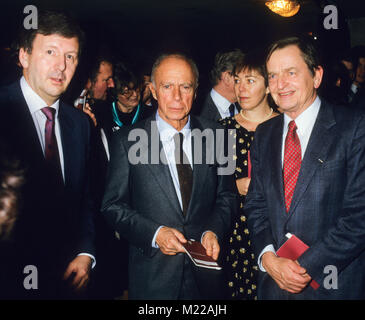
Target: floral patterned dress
241, 265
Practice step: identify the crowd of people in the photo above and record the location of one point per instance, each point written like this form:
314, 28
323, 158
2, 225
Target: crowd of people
96, 224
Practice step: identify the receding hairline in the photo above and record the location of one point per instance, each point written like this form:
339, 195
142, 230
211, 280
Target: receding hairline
177, 56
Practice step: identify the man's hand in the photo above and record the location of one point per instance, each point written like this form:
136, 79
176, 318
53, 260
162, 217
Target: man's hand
242, 185
89, 112
80, 268
169, 241
210, 243
288, 274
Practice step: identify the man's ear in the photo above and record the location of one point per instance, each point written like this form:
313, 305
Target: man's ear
227, 78
24, 58
153, 90
318, 75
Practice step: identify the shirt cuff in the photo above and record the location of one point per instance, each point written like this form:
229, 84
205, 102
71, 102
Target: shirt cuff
268, 248
201, 239
154, 244
92, 258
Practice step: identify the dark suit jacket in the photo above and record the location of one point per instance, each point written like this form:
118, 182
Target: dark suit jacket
55, 224
140, 198
328, 207
209, 109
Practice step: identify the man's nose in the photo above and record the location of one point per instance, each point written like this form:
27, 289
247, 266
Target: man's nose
61, 63
281, 82
177, 93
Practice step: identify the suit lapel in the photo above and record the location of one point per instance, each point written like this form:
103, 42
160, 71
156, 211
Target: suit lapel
275, 157
24, 126
200, 170
68, 144
160, 170
214, 108
316, 152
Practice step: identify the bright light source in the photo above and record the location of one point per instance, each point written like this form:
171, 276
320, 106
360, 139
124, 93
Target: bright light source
285, 8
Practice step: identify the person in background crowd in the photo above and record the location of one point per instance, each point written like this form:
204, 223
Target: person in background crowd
127, 108
220, 102
357, 93
251, 88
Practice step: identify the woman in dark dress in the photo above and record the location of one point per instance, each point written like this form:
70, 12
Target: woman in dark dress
252, 91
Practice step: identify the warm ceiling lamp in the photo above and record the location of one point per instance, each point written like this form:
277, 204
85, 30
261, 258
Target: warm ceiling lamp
285, 8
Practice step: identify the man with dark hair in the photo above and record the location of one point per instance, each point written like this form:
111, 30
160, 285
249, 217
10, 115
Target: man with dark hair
55, 229
220, 102
158, 206
308, 181
127, 107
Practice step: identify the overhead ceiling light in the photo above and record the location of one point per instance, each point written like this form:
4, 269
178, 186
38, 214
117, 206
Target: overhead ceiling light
285, 8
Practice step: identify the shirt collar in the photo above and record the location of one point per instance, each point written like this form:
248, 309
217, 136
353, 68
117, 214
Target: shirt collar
221, 102
34, 101
167, 131
306, 119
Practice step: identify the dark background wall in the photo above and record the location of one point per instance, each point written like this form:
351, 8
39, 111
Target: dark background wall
137, 31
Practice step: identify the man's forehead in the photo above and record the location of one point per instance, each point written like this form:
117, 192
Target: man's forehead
286, 57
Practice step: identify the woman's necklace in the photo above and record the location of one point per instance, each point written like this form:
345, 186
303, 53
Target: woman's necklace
262, 120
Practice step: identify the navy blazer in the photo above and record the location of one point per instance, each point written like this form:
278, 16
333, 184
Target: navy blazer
328, 207
141, 197
55, 224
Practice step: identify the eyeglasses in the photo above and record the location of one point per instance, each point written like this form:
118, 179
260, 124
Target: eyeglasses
128, 92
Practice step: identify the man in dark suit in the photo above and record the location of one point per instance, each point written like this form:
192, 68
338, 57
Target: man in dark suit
308, 179
220, 102
158, 205
55, 230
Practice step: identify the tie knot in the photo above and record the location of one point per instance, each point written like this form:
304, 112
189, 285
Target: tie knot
49, 112
292, 126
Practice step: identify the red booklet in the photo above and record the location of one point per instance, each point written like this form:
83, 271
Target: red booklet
292, 249
198, 255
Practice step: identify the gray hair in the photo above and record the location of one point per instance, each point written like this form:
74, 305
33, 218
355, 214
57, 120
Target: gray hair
181, 56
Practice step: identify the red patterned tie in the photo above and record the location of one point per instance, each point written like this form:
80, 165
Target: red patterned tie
51, 148
292, 162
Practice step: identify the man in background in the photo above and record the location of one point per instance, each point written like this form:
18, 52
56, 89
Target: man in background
220, 102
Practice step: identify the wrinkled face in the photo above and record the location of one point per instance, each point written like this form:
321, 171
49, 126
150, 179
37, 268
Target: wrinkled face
360, 71
103, 81
51, 65
174, 89
250, 89
292, 85
130, 97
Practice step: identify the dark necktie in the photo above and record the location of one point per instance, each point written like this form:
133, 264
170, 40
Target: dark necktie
231, 110
292, 162
51, 149
184, 172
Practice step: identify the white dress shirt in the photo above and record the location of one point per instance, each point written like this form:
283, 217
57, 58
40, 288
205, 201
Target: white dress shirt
35, 103
222, 104
305, 123
167, 133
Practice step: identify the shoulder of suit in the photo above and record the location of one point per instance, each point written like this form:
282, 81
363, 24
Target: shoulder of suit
205, 123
